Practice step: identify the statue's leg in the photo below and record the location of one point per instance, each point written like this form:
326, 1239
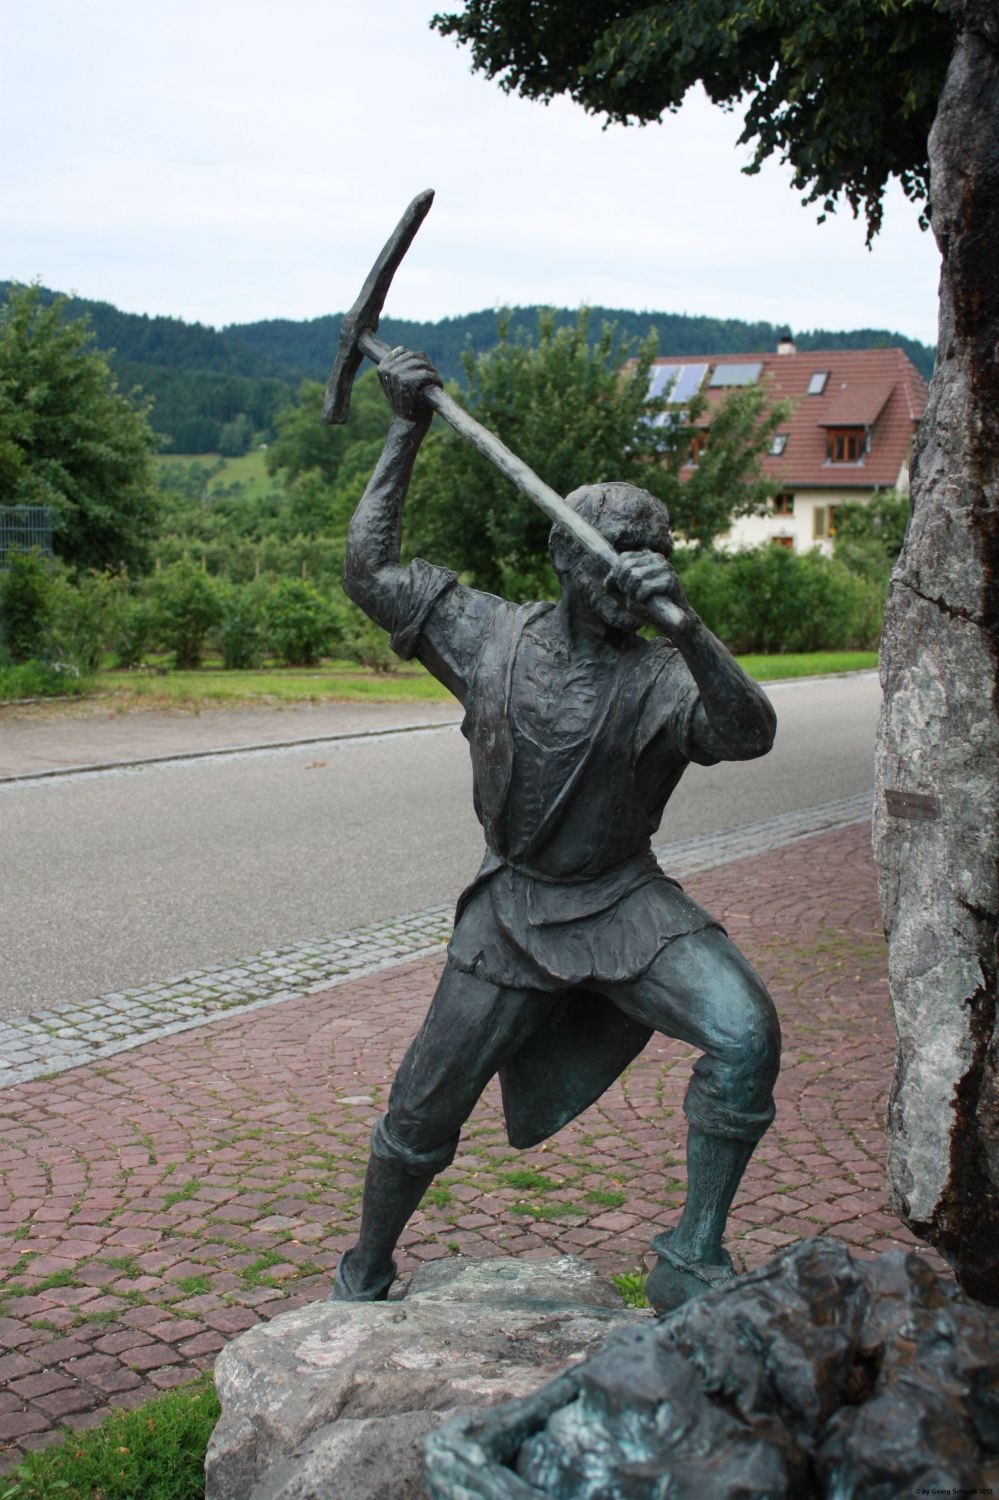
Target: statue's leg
470, 1029
702, 990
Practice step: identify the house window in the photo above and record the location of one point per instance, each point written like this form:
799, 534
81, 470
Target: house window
778, 444
783, 541
817, 384
823, 522
845, 445
783, 504
698, 443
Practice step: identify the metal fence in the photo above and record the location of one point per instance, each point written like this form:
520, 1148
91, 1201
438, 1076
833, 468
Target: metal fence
23, 527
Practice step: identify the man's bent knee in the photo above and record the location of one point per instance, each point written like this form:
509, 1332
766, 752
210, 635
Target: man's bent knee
417, 1154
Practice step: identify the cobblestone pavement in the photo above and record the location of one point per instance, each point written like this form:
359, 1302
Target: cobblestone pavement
54, 1040
155, 1203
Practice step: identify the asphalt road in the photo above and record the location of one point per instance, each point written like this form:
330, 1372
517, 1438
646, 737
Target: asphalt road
118, 878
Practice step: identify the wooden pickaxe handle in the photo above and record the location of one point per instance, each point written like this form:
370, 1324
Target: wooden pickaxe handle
357, 339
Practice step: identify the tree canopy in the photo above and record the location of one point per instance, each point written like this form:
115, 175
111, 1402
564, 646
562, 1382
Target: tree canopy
844, 91
70, 440
563, 403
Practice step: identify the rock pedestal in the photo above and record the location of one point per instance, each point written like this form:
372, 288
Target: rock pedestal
336, 1399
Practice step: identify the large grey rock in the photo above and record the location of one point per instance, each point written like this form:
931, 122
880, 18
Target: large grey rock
939, 732
335, 1399
819, 1376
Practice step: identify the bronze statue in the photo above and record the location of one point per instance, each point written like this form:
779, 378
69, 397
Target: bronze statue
571, 946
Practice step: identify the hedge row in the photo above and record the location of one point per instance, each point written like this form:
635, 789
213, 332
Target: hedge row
765, 599
45, 616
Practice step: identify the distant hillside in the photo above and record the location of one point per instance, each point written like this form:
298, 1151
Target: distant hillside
216, 387
310, 346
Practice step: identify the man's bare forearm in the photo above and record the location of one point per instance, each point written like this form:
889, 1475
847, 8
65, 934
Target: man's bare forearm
739, 713
374, 537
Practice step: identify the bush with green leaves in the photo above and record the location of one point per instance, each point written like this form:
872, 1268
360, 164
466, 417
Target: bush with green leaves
241, 633
25, 598
83, 617
300, 622
769, 599
186, 607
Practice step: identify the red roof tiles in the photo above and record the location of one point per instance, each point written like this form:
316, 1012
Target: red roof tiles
877, 389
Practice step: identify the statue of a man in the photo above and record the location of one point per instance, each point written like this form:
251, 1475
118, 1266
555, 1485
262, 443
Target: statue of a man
571, 946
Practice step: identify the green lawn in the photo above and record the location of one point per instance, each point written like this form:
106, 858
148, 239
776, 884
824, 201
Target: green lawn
249, 470
345, 682
156, 1452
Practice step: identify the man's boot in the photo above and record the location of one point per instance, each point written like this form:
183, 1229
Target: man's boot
691, 1259
392, 1193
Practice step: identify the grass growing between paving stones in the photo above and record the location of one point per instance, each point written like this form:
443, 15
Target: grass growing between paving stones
156, 1452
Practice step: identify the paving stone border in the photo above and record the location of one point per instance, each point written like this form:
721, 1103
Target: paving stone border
54, 1040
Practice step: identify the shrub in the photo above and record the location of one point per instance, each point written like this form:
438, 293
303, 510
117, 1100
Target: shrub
83, 617
39, 679
131, 631
300, 622
186, 606
240, 634
25, 598
769, 599
366, 643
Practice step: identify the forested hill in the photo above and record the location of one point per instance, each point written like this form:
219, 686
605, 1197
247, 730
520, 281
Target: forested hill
309, 346
221, 388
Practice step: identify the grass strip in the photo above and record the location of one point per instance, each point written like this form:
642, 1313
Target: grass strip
343, 682
156, 1452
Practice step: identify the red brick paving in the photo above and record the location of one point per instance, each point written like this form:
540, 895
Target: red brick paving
154, 1205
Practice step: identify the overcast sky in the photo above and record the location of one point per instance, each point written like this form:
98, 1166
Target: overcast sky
229, 161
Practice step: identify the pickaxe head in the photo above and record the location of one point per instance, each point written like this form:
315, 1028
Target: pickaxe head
363, 316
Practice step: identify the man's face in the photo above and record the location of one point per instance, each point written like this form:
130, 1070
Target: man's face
637, 528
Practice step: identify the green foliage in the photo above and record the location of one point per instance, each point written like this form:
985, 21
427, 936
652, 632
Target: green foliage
84, 617
844, 91
186, 606
25, 596
156, 1451
131, 631
869, 537
631, 1285
770, 599
240, 633
305, 443
40, 679
729, 480
235, 436
70, 440
565, 406
300, 621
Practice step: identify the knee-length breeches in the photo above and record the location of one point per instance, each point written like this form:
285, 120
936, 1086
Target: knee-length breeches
699, 989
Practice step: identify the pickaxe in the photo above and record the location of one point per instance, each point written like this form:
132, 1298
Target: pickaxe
358, 337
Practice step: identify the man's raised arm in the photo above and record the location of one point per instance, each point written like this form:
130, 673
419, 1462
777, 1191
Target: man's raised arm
735, 719
371, 567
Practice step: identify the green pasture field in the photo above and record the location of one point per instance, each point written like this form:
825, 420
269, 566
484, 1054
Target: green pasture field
249, 470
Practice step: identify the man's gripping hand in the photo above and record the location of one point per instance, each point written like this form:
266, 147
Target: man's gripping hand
643, 579
405, 378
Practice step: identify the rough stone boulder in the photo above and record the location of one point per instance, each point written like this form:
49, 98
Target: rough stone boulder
816, 1376
336, 1399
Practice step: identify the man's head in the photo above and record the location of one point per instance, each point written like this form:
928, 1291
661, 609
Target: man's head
632, 520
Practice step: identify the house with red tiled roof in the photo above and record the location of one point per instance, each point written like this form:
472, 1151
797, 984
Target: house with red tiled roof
849, 435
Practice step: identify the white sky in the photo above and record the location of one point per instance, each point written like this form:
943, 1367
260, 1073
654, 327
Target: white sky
229, 161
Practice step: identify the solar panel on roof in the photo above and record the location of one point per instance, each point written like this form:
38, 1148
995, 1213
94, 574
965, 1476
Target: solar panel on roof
737, 374
686, 381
